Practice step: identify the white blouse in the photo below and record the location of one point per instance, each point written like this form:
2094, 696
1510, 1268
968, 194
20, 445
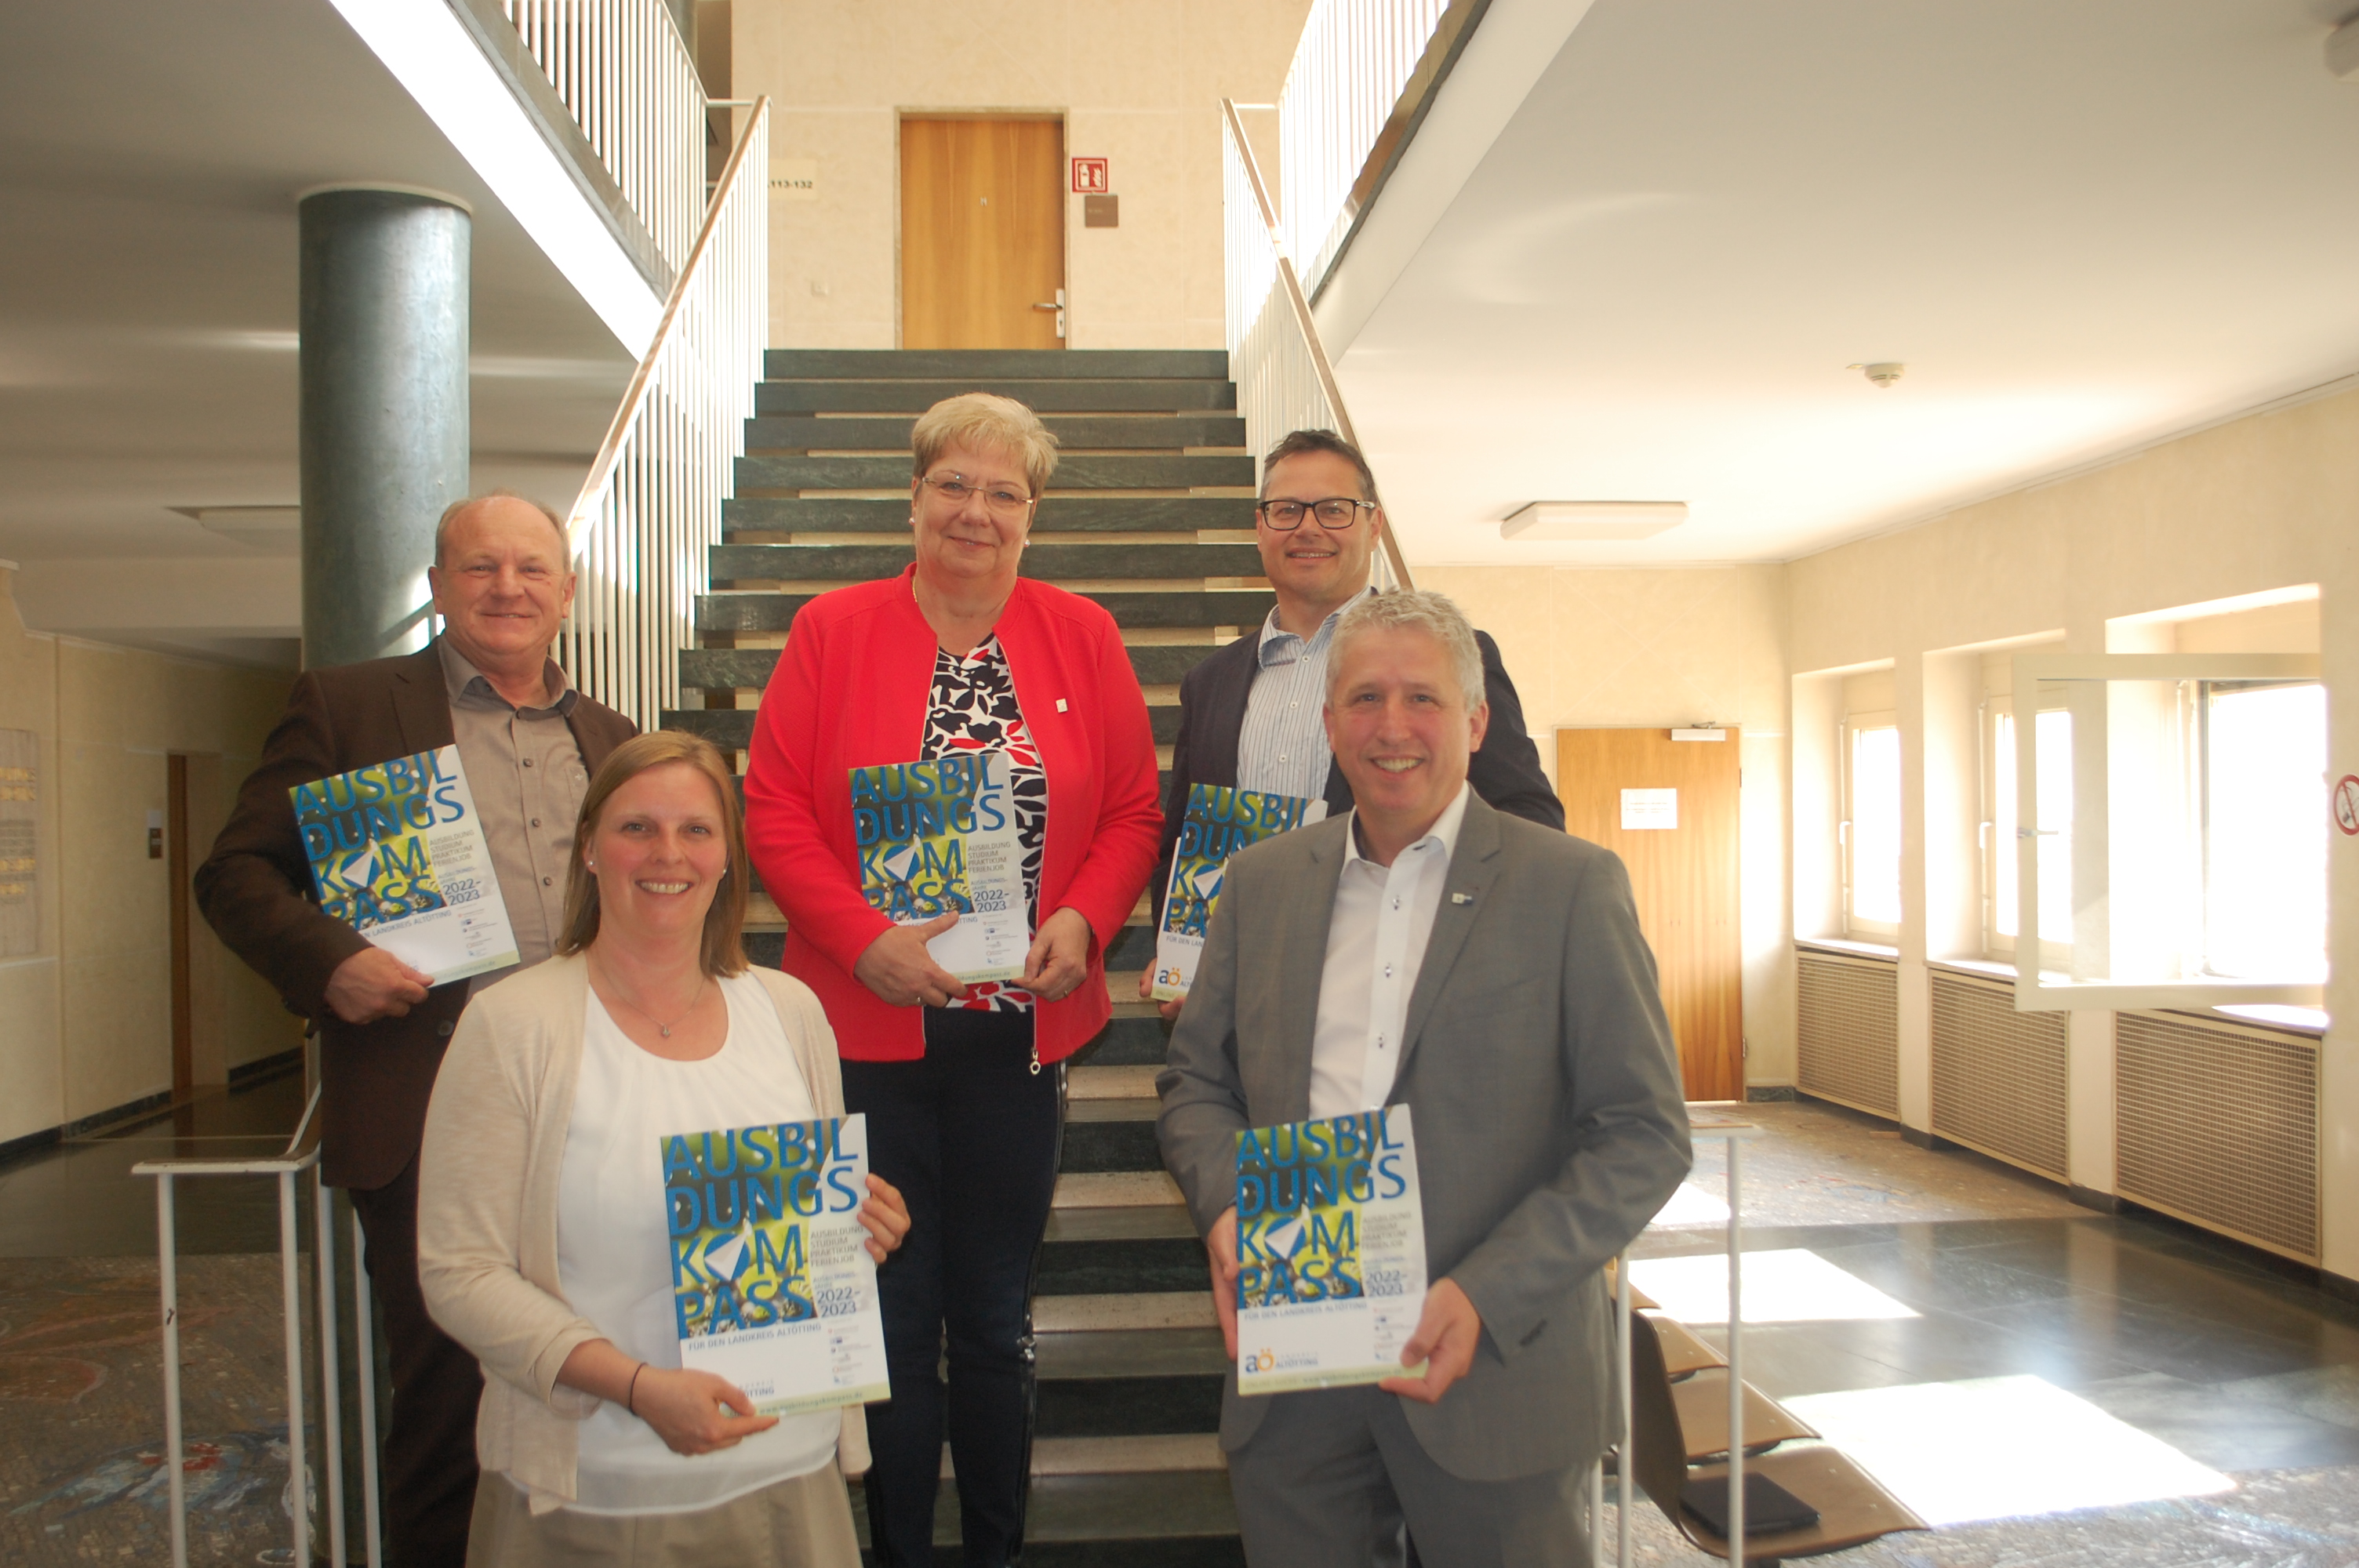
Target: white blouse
614, 1252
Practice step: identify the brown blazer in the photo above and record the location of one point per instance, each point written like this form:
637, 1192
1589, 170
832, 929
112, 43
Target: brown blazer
255, 890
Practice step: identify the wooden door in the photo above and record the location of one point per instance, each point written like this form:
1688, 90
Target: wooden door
983, 234
1684, 877
179, 870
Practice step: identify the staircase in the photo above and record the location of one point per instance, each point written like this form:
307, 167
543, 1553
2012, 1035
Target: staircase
1150, 514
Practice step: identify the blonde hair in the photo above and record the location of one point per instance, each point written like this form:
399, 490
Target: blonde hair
1412, 610
723, 950
985, 422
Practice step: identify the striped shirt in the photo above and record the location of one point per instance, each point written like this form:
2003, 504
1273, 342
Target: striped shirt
1282, 749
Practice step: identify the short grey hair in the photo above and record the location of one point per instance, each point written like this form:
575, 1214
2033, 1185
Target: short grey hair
450, 515
1412, 610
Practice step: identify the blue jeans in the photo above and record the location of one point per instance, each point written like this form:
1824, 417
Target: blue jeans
970, 1134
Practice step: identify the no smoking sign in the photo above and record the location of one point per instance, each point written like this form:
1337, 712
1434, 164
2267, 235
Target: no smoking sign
2346, 804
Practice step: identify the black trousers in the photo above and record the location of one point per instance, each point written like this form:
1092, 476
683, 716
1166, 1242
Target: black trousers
970, 1134
430, 1444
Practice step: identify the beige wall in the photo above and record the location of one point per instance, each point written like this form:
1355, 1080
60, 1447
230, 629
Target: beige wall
1137, 82
85, 1024
1657, 649
2104, 562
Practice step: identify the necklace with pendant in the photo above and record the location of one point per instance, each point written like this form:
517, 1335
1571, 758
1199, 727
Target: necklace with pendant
662, 1027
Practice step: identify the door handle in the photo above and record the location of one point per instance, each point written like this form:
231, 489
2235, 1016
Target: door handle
1058, 305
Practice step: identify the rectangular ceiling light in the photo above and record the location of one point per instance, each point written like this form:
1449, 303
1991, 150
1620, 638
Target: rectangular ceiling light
1593, 520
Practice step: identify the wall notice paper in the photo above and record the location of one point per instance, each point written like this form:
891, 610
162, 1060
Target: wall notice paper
20, 856
1219, 822
939, 836
1330, 1251
1649, 808
396, 849
772, 1285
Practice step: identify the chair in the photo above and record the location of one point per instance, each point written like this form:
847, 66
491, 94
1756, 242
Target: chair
1852, 1509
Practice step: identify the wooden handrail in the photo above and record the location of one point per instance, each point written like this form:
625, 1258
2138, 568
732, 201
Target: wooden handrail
610, 450
1300, 306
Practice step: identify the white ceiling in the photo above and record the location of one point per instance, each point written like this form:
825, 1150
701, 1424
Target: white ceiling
150, 151
2082, 224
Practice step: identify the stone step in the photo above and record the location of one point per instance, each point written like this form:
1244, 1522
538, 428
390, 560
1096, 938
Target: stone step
765, 611
1130, 1382
1165, 1520
1159, 1453
1052, 562
834, 365
1110, 1135
1040, 393
1099, 1084
1132, 951
1074, 433
1157, 664
1111, 1251
1129, 1039
731, 729
1085, 1313
1056, 515
1082, 471
1116, 1189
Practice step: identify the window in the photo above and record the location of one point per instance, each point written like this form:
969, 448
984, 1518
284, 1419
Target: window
2052, 732
1871, 827
2176, 833
2264, 777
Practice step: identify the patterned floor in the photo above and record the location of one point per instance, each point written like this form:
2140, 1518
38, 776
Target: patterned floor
1892, 1280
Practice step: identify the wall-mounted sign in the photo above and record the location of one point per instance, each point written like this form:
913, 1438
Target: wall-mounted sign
1090, 177
1101, 211
1646, 809
20, 910
2346, 804
794, 178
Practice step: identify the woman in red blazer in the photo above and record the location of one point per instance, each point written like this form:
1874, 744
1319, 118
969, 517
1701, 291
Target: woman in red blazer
961, 1086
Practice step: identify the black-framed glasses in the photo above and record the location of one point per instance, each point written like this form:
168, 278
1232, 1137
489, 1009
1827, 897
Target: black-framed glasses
957, 490
1335, 512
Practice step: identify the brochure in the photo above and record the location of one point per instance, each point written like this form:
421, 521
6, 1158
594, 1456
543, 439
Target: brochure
772, 1285
940, 836
1219, 822
398, 851
1330, 1251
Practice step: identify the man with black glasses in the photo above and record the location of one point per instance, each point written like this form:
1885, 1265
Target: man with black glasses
1250, 715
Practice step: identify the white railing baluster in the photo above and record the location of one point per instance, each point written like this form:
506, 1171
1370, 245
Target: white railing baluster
1349, 70
650, 509
623, 73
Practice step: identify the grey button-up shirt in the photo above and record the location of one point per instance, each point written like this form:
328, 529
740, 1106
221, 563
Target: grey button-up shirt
527, 778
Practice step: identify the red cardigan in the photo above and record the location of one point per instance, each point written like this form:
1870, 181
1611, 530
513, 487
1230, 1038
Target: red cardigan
850, 691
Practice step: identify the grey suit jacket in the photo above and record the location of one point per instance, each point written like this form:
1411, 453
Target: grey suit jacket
1542, 1086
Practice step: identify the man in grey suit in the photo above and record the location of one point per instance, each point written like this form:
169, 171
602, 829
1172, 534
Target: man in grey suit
1425, 949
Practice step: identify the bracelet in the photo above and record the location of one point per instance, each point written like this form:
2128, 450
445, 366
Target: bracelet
632, 1392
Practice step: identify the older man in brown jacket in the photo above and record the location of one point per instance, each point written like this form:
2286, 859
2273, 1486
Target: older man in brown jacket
502, 582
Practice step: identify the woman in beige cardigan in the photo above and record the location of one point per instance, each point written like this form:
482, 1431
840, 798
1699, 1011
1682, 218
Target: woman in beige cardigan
542, 1235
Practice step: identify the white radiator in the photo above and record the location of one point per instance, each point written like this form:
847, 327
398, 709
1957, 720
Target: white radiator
1848, 1044
2217, 1124
1998, 1075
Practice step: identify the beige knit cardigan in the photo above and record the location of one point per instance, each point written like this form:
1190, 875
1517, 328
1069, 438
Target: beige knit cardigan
487, 1208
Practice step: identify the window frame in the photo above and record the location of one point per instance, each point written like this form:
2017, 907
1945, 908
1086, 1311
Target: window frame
2038, 992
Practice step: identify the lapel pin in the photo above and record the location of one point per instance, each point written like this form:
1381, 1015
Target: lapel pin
1061, 704
1462, 898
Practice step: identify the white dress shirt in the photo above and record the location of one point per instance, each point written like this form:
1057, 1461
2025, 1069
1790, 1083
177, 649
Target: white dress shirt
1375, 945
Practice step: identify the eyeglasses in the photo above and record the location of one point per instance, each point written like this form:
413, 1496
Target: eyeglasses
999, 500
1335, 512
